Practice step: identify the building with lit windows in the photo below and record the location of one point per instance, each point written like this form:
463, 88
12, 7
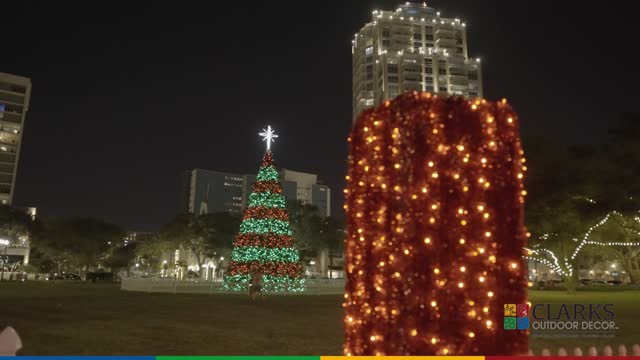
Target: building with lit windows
15, 93
412, 48
136, 237
309, 191
208, 191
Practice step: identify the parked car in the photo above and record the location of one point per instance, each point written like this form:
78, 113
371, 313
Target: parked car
100, 276
63, 277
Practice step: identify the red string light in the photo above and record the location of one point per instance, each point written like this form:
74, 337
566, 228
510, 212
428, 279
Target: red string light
263, 186
261, 212
293, 270
267, 159
270, 241
434, 202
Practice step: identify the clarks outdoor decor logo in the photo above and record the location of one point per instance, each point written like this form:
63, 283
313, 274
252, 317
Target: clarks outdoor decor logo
516, 316
594, 317
561, 319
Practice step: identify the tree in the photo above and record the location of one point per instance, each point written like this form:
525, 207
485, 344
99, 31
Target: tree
572, 189
152, 250
203, 235
622, 154
565, 199
16, 227
620, 239
265, 243
314, 232
555, 225
78, 242
120, 257
188, 232
220, 229
332, 235
306, 225
15, 224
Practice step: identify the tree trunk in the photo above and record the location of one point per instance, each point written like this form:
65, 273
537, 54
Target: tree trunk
634, 276
571, 283
200, 262
330, 264
627, 264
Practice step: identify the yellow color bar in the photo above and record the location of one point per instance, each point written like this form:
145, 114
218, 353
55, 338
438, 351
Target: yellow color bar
401, 357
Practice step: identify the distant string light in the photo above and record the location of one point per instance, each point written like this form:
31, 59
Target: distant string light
568, 268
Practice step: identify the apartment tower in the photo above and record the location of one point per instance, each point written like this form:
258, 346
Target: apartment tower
412, 48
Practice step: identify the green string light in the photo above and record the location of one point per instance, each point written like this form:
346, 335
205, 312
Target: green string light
250, 253
267, 199
265, 226
271, 283
245, 260
268, 173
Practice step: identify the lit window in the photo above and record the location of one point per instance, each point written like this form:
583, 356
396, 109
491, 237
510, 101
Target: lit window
369, 50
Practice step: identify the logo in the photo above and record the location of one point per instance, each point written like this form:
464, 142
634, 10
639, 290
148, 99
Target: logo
594, 319
516, 317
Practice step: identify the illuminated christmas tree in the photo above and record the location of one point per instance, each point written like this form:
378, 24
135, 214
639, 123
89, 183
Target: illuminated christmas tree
434, 204
265, 243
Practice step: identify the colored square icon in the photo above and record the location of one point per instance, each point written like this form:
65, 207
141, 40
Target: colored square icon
522, 310
510, 323
509, 309
523, 323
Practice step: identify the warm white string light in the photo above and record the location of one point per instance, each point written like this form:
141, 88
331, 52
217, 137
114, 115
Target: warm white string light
568, 270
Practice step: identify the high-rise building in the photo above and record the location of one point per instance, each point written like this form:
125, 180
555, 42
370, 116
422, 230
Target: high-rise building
208, 191
15, 92
213, 191
309, 191
412, 48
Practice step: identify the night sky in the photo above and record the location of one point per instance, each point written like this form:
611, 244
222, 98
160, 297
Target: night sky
126, 97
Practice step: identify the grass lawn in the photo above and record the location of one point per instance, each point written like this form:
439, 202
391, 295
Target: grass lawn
99, 319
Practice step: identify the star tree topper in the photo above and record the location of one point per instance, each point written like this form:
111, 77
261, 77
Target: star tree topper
269, 136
